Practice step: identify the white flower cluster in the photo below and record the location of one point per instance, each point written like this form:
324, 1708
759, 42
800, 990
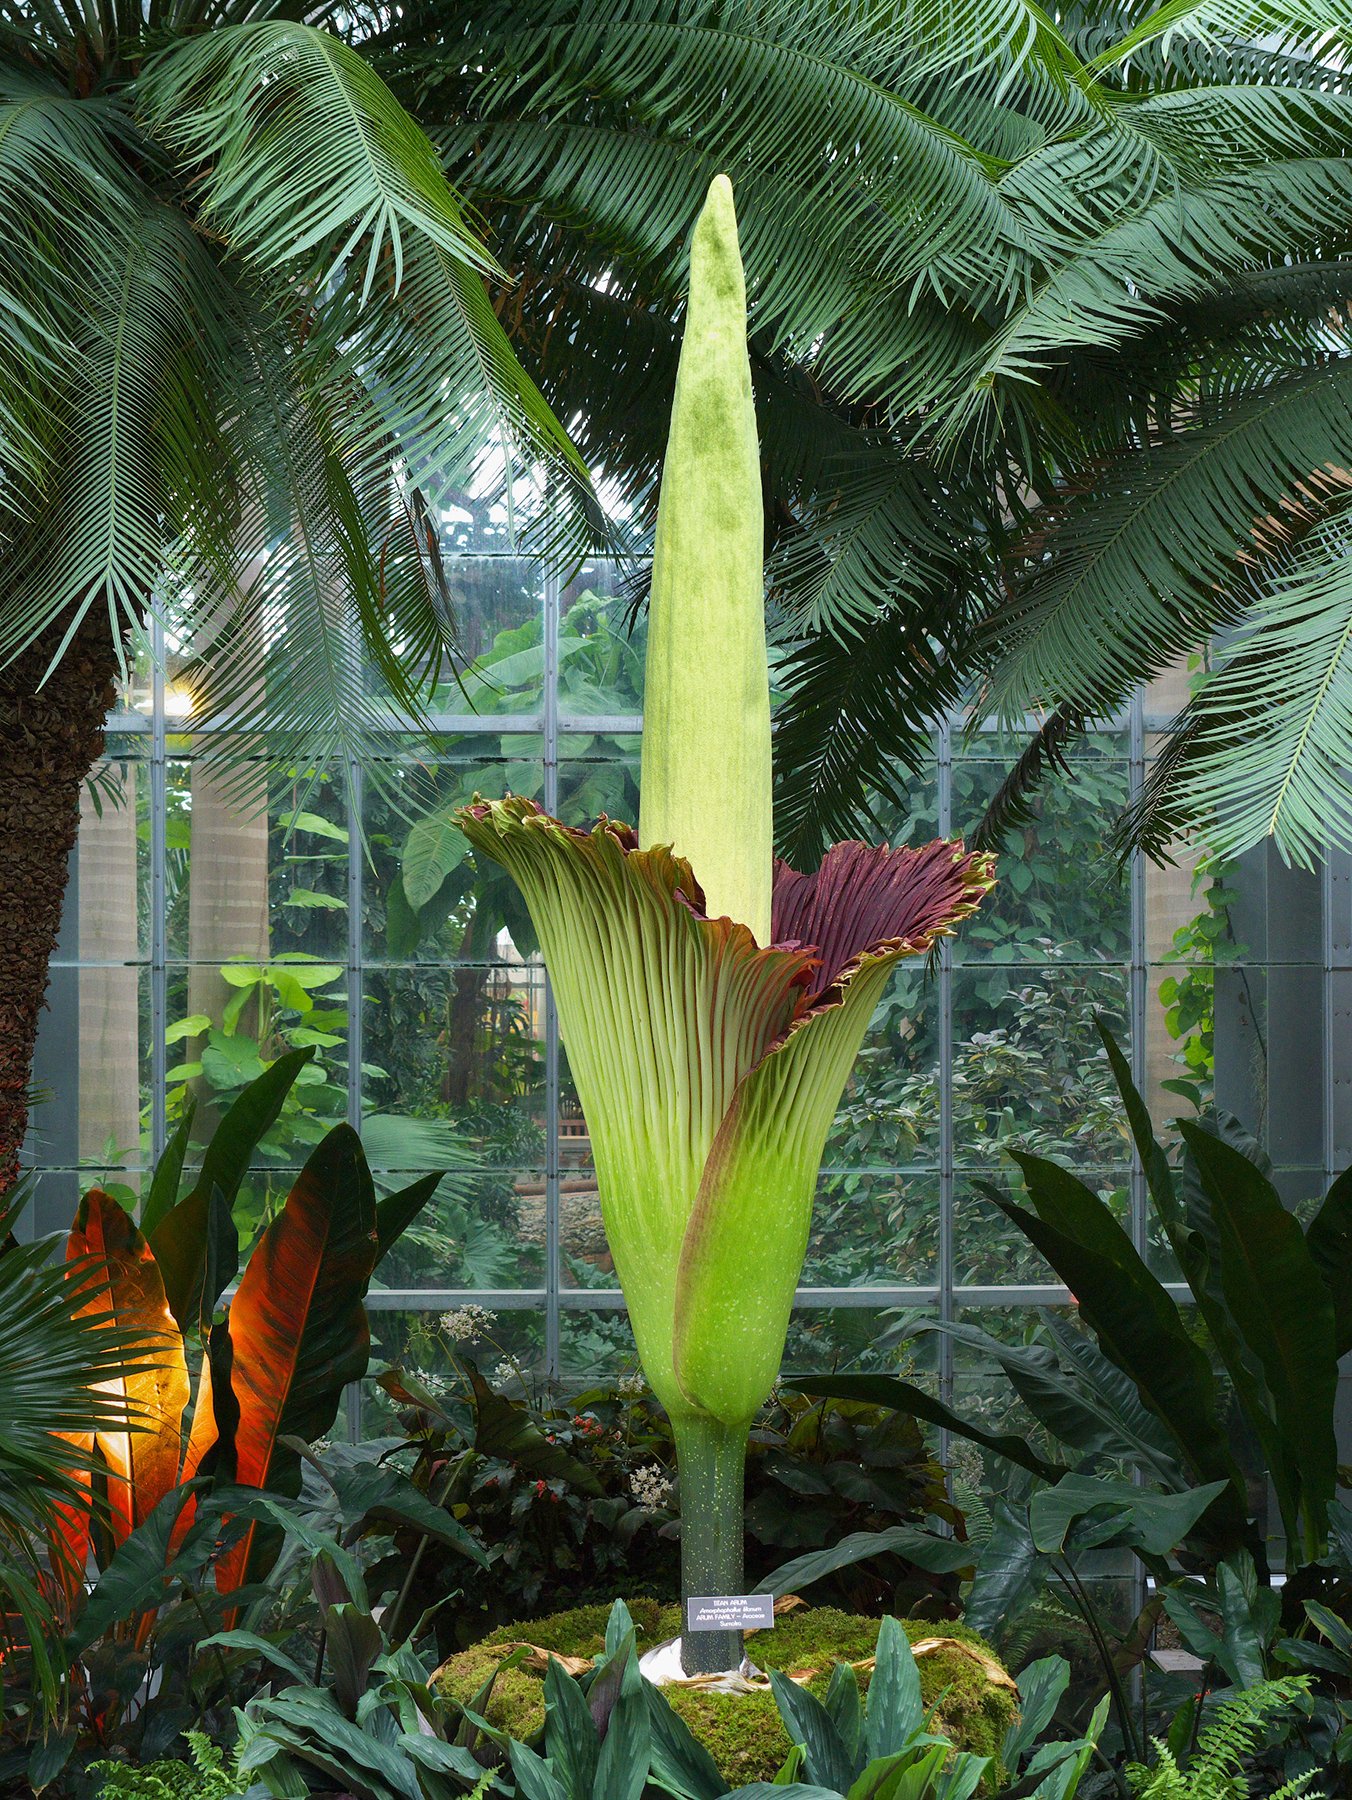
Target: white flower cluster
650, 1486
436, 1385
467, 1323
509, 1369
631, 1387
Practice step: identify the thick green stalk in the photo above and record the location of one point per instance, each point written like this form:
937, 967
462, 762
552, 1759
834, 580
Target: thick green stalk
711, 1462
706, 775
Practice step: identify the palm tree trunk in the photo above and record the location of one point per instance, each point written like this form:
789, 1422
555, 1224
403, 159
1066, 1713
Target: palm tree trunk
50, 736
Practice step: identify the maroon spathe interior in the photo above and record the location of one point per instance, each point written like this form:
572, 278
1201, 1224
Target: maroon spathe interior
864, 895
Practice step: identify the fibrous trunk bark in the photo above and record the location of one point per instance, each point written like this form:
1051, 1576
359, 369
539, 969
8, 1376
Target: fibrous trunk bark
51, 733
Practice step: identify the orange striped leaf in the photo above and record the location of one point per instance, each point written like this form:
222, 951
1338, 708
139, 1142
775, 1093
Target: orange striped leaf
142, 1463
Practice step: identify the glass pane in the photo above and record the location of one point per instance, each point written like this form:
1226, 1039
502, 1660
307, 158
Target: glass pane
596, 1346
107, 909
874, 1229
92, 1074
600, 653
435, 1347
483, 1228
599, 774
228, 1022
427, 898
840, 1338
1060, 892
498, 606
1029, 1067
889, 1115
989, 1249
463, 1045
253, 872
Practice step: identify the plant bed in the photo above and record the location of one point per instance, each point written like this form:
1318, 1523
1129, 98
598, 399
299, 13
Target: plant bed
976, 1698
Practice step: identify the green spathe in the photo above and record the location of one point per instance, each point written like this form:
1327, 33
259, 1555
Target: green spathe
706, 774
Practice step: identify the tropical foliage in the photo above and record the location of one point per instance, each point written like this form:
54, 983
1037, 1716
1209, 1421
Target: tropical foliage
167, 1500
1050, 348
236, 282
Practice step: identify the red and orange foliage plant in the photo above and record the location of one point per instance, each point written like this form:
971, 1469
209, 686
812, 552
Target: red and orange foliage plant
272, 1360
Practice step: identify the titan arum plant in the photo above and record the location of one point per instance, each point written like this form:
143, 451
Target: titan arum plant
713, 1000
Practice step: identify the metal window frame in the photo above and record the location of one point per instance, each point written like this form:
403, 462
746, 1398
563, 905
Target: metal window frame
554, 1298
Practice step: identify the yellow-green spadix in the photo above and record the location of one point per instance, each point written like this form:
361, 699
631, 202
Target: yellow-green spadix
712, 1001
706, 778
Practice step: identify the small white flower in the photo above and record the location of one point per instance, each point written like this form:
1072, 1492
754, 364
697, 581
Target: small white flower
507, 1370
631, 1387
467, 1323
650, 1486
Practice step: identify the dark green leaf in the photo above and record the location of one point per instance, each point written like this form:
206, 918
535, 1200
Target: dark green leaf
1329, 1241
937, 1555
180, 1240
808, 1723
163, 1192
397, 1211
905, 1396
895, 1709
1281, 1304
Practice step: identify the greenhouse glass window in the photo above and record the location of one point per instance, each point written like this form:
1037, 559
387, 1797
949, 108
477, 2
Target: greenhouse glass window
209, 926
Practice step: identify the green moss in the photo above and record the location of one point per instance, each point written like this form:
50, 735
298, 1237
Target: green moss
743, 1732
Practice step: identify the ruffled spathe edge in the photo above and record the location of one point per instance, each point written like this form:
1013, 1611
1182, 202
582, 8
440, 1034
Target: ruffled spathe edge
864, 902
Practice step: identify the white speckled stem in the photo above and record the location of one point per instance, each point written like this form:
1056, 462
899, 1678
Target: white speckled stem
711, 1462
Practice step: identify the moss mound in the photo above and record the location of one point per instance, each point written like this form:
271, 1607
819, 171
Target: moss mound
743, 1732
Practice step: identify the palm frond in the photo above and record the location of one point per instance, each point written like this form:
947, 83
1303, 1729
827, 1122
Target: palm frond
298, 647
874, 525
1120, 278
1265, 745
67, 205
129, 433
1011, 805
303, 154
60, 1370
310, 167
1143, 568
833, 167
856, 719
451, 395
1316, 29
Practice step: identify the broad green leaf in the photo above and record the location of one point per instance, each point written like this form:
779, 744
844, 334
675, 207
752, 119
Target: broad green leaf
433, 848
1280, 1302
1010, 1573
1129, 1515
179, 1238
318, 826
895, 1710
808, 1723
570, 1732
938, 1555
163, 1191
193, 1026
1135, 1321
906, 1397
1329, 1241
